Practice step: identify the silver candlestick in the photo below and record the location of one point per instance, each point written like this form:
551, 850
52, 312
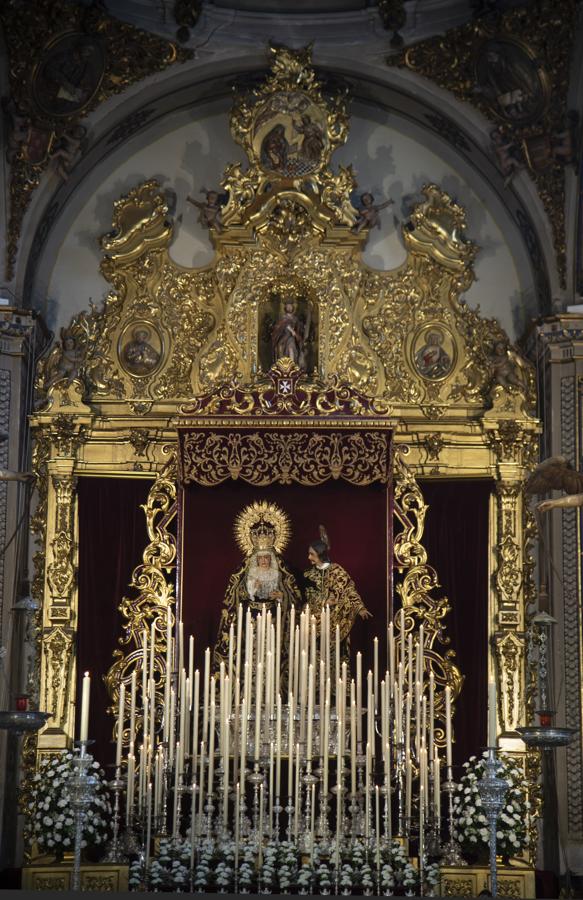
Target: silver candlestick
114, 853
82, 790
451, 855
492, 790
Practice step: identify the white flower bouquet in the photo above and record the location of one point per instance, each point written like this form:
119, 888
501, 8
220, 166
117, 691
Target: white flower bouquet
470, 824
50, 813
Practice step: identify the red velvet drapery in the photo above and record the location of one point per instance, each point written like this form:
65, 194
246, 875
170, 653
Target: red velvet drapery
456, 540
112, 538
356, 519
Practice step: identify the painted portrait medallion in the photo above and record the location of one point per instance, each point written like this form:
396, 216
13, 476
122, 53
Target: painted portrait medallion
140, 348
68, 75
510, 79
289, 134
433, 352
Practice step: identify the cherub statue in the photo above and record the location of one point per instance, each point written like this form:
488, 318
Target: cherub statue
368, 213
210, 211
556, 474
505, 367
64, 360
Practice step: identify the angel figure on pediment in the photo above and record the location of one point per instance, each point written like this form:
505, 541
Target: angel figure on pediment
210, 209
368, 212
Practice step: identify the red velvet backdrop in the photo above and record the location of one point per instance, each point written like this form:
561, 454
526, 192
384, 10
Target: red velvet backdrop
456, 540
112, 538
356, 519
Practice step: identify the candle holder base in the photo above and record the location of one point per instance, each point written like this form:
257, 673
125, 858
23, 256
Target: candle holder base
451, 855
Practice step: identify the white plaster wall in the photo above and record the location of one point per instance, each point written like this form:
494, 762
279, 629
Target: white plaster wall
388, 162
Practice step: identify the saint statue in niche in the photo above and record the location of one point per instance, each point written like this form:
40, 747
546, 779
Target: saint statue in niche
263, 581
287, 329
328, 583
139, 356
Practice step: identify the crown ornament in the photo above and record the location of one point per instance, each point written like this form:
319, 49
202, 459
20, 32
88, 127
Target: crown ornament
262, 526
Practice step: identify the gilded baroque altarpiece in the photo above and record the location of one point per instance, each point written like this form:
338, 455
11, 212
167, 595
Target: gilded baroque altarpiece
174, 346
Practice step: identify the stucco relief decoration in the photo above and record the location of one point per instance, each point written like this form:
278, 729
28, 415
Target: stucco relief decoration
64, 60
511, 81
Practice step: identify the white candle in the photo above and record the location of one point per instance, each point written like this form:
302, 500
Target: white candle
206, 688
391, 656
120, 718
448, 726
375, 670
431, 711
257, 744
168, 724
277, 648
359, 697
133, 707
85, 692
492, 729
191, 659
326, 730
352, 740
195, 705
212, 739
180, 646
310, 711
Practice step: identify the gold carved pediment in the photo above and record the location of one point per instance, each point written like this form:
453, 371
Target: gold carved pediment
286, 236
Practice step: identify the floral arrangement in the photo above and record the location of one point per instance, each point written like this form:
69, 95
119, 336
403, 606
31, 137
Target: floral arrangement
51, 819
281, 870
470, 821
169, 870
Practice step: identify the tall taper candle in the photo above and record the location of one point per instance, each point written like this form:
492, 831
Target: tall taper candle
120, 718
85, 692
492, 729
448, 727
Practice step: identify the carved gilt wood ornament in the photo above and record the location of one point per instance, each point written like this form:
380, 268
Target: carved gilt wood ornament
172, 345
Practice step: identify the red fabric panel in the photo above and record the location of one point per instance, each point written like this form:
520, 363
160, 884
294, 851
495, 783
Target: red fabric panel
112, 539
456, 539
355, 517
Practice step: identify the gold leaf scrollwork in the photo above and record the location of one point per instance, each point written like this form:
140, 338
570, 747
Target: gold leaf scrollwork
417, 582
153, 592
509, 648
60, 572
57, 648
210, 457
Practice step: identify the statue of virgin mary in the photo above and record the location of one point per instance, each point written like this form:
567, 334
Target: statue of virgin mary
263, 580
